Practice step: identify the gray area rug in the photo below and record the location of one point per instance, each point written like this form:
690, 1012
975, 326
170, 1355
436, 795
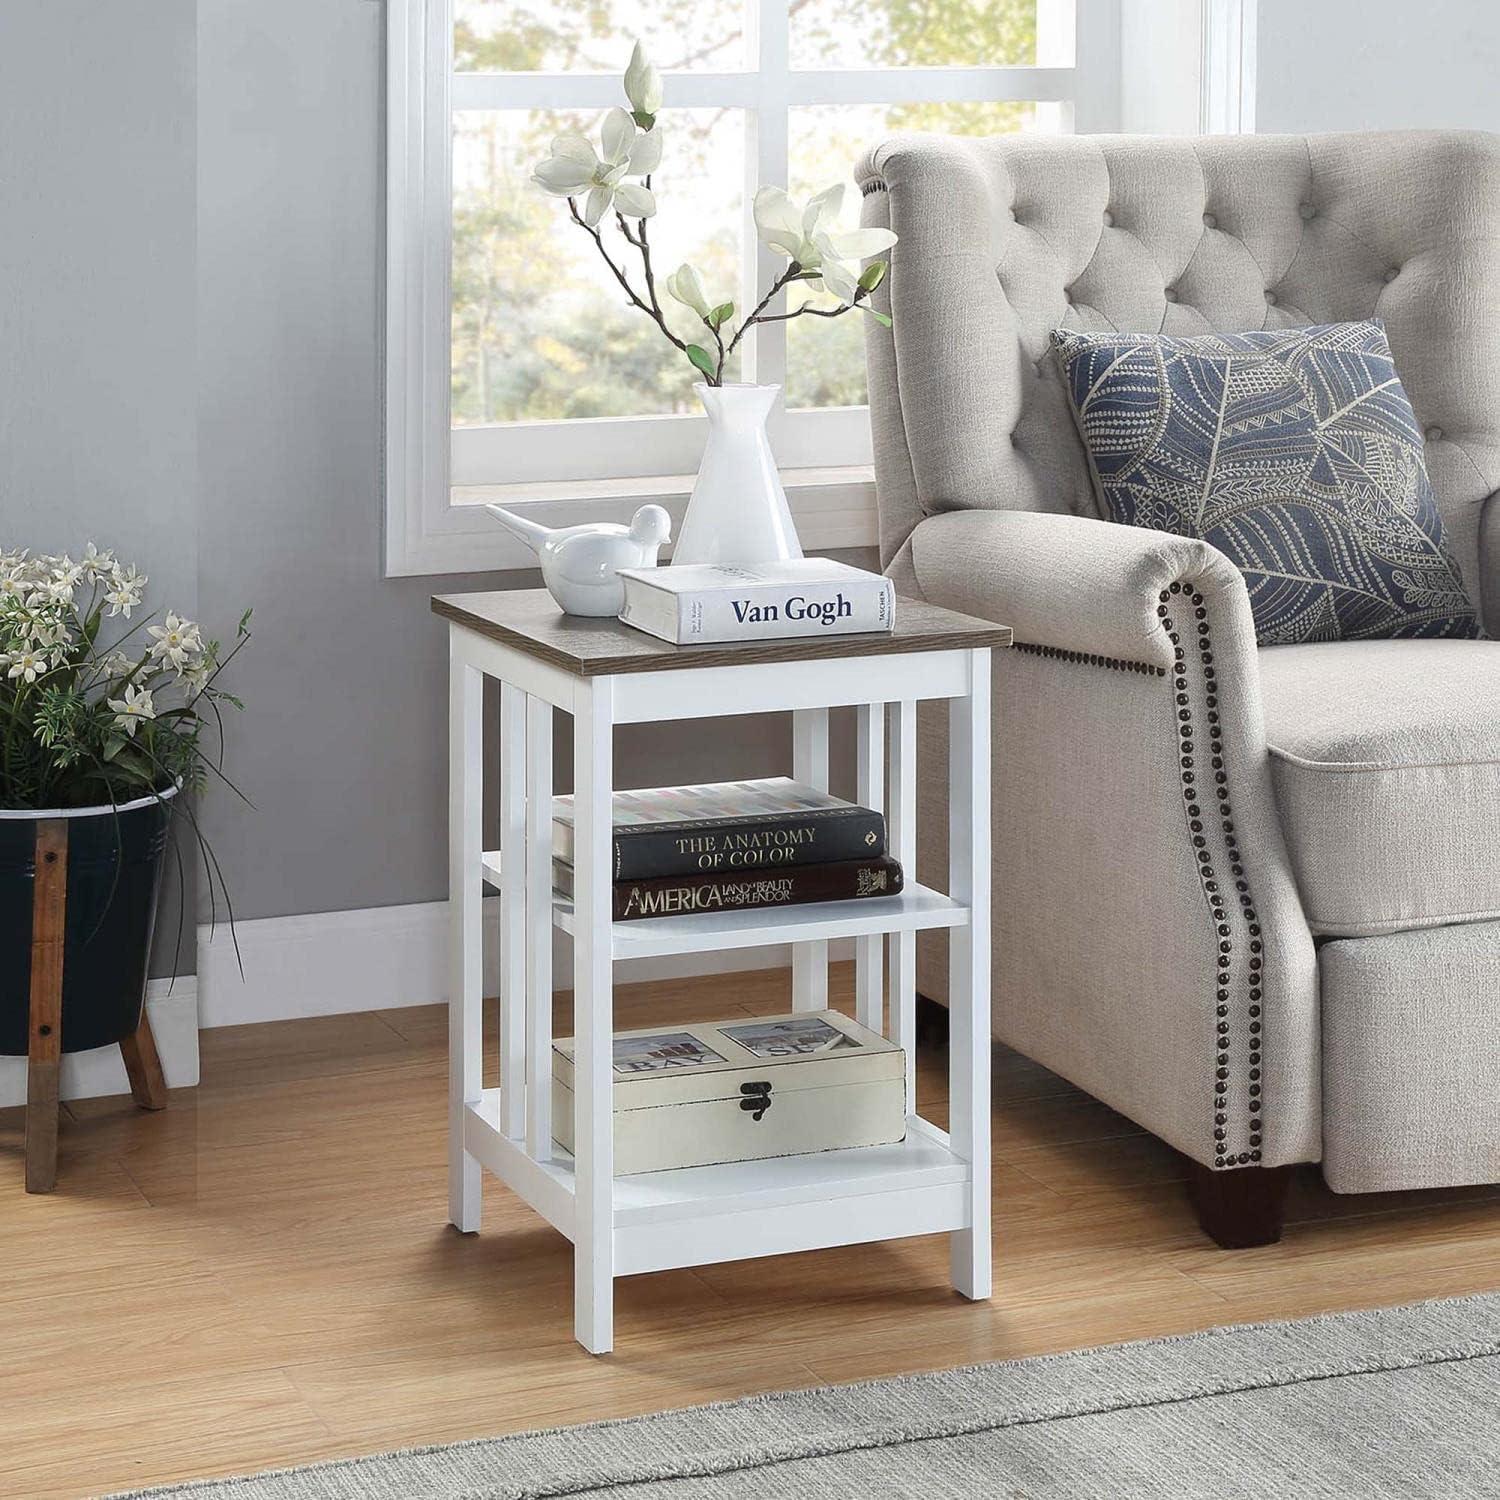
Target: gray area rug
1401, 1401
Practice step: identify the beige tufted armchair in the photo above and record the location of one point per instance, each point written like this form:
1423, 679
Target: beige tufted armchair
1248, 897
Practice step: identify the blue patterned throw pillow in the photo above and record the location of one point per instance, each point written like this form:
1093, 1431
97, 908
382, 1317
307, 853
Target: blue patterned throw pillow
1294, 452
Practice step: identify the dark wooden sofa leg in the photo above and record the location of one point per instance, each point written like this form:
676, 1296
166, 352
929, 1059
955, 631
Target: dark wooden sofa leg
44, 1034
148, 1085
1242, 1208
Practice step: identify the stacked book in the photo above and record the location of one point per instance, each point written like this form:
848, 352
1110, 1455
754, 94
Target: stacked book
700, 604
731, 846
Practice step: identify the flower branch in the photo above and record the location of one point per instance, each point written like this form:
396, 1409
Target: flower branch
618, 175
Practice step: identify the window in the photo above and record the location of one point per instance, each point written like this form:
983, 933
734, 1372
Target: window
513, 367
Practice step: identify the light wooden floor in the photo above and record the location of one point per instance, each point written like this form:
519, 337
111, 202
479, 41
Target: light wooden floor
262, 1275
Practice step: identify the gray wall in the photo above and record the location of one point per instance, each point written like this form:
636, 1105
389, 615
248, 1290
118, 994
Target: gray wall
98, 345
1377, 64
342, 744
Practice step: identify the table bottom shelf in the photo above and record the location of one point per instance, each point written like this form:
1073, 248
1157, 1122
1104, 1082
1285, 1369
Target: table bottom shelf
739, 1210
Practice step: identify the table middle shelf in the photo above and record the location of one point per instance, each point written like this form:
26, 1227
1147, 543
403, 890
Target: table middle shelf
916, 909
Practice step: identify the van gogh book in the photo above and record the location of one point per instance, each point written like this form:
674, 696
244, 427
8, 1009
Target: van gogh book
699, 604
680, 895
726, 826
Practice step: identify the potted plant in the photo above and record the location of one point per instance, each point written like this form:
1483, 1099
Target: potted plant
106, 719
738, 512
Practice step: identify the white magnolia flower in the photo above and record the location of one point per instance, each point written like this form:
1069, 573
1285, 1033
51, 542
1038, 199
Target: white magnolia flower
575, 166
134, 707
684, 285
808, 237
127, 587
177, 641
26, 664
642, 84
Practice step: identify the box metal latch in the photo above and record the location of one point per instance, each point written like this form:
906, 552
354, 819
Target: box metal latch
757, 1099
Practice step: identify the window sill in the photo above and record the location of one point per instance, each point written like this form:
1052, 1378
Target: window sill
831, 508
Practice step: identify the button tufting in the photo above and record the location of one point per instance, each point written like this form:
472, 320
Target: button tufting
1433, 434
1270, 299
1109, 218
1392, 273
1209, 222
1170, 294
1308, 211
1067, 294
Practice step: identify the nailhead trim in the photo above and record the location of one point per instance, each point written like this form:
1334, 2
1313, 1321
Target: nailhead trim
1087, 659
1192, 792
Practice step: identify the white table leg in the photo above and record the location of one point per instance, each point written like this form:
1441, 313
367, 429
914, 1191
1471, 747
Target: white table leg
901, 833
466, 940
539, 929
869, 952
969, 970
512, 911
810, 766
593, 1010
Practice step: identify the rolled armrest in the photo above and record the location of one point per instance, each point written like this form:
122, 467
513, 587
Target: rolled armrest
1079, 585
1150, 945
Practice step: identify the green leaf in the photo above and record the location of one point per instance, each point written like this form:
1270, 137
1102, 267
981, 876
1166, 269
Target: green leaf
702, 358
879, 317
873, 274
720, 315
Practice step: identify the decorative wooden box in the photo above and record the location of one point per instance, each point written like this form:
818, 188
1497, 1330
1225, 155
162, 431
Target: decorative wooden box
725, 1091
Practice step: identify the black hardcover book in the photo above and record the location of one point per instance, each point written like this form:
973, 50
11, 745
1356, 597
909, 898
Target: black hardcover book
784, 885
727, 826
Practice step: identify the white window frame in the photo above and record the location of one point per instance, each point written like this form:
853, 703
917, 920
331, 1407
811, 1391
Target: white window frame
1227, 97
432, 521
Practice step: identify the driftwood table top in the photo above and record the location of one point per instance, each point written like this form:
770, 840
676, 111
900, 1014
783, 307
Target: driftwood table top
529, 620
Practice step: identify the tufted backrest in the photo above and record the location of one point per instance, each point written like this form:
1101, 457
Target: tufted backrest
1004, 239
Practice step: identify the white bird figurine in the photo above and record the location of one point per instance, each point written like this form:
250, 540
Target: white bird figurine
580, 564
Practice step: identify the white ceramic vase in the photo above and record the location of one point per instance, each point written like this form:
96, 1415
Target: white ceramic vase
738, 512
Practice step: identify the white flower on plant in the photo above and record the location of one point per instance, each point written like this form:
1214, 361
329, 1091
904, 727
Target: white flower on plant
177, 641
99, 566
63, 579
51, 634
195, 678
127, 587
808, 237
643, 87
27, 664
13, 579
684, 285
131, 710
575, 166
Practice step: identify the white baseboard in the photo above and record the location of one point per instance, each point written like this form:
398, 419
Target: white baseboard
101, 1072
382, 957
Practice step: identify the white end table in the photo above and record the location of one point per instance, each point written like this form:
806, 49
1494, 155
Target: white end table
605, 674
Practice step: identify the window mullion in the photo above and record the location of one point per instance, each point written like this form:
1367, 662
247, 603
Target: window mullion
765, 162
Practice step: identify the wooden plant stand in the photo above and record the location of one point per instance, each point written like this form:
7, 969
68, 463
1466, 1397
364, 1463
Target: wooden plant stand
44, 1034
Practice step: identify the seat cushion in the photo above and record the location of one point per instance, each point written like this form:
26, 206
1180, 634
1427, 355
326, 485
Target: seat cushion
1295, 452
1386, 760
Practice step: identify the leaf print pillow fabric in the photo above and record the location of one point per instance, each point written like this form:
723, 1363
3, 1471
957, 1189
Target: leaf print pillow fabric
1295, 452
